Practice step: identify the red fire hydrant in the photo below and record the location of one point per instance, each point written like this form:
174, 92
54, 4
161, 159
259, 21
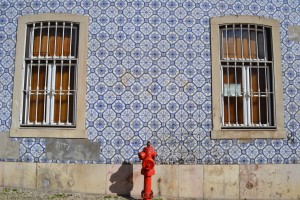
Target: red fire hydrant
147, 156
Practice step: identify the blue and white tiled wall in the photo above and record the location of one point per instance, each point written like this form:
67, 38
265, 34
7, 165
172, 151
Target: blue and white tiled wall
149, 78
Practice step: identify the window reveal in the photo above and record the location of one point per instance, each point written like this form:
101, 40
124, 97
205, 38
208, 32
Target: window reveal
246, 70
50, 72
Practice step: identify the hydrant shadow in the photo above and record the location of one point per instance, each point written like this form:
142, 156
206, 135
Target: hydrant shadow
122, 180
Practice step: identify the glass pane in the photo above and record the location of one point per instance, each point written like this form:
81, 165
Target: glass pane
51, 44
63, 105
233, 110
36, 103
224, 45
238, 44
230, 44
59, 44
253, 44
36, 42
232, 81
245, 44
261, 47
233, 99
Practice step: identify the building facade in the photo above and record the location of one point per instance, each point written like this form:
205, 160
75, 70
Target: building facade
213, 85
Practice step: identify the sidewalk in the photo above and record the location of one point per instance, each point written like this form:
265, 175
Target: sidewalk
20, 194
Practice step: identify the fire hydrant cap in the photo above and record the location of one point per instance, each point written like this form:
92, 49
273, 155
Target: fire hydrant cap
148, 163
142, 155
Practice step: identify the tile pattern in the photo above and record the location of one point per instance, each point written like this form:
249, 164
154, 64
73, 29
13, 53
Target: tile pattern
149, 78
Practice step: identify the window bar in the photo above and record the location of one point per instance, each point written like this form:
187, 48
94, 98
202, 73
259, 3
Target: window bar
29, 73
75, 43
52, 75
45, 94
270, 93
69, 74
236, 94
222, 95
32, 41
75, 86
27, 68
266, 96
49, 94
74, 94
266, 78
46, 75
60, 91
226, 31
63, 41
272, 84
235, 77
244, 94
48, 33
228, 94
256, 43
258, 70
249, 88
251, 93
38, 75
234, 42
242, 45
258, 94
222, 45
37, 92
247, 106
61, 75
265, 45
71, 35
40, 44
249, 42
29, 92
244, 82
54, 54
24, 88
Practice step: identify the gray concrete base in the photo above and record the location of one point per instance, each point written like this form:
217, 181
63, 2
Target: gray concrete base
8, 149
185, 181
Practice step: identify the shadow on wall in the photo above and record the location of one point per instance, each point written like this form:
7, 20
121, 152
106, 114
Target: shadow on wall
122, 180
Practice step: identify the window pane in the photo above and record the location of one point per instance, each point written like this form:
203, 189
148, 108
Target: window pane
36, 96
235, 43
233, 110
253, 44
232, 76
261, 47
63, 106
238, 44
245, 44
232, 91
36, 42
230, 44
60, 43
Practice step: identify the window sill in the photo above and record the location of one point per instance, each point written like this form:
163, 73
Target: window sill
48, 132
248, 134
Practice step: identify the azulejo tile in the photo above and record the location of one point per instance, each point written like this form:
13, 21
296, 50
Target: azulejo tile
149, 77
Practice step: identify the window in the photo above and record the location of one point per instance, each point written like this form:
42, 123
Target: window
50, 67
246, 78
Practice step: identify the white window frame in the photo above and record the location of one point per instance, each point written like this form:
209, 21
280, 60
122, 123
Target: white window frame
218, 131
76, 131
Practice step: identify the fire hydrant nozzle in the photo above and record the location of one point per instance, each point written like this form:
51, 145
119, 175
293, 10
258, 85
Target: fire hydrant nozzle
147, 156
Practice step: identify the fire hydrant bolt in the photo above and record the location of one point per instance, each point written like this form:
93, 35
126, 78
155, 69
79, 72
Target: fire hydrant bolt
147, 156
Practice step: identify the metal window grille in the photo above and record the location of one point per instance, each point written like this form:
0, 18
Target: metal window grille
247, 88
50, 74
